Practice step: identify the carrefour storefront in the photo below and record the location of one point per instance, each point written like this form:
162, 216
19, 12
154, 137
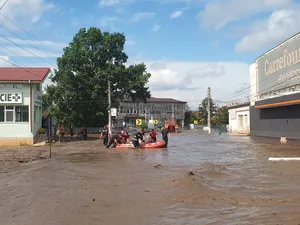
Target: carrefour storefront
275, 91
20, 109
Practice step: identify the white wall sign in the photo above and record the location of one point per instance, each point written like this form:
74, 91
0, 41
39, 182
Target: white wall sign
38, 98
11, 97
113, 112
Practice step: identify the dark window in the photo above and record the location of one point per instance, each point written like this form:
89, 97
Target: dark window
284, 112
1, 113
22, 114
38, 87
14, 113
9, 113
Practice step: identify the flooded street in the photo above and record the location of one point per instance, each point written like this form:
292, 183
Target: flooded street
200, 179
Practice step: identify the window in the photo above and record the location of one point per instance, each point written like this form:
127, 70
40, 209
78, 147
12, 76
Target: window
14, 114
9, 113
245, 121
34, 114
240, 120
9, 86
22, 114
38, 87
2, 119
18, 86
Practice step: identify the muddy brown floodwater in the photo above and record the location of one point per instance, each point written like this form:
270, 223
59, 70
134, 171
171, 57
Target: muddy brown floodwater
199, 179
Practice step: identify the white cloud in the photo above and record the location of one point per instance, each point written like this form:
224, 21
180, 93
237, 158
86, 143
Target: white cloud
279, 26
38, 54
4, 61
110, 3
156, 28
26, 12
129, 42
176, 14
218, 14
109, 21
142, 16
189, 80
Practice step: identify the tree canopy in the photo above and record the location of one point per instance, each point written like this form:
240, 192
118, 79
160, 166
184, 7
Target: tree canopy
203, 110
79, 96
189, 117
221, 116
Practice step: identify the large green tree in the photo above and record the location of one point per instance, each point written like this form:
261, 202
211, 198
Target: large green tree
203, 110
221, 116
79, 96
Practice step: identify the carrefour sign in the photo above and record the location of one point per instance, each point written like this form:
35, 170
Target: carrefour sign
279, 68
11, 98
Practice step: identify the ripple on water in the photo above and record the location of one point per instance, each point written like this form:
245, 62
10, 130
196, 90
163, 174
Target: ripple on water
237, 166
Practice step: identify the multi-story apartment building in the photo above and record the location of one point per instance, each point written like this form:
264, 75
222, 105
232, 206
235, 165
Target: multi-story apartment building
159, 109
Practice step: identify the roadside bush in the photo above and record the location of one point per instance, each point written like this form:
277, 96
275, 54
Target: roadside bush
41, 131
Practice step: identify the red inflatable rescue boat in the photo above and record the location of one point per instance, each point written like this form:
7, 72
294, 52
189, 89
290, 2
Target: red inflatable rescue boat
158, 144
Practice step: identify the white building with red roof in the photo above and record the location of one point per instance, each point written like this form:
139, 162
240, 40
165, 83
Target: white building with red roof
20, 104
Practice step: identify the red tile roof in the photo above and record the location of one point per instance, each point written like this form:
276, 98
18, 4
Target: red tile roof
197, 115
23, 74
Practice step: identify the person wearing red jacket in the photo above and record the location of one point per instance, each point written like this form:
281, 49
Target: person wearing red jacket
153, 135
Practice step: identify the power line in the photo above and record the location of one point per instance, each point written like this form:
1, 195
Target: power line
26, 50
3, 4
25, 41
18, 55
14, 23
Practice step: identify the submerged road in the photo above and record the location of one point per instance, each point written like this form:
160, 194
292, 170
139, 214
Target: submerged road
200, 179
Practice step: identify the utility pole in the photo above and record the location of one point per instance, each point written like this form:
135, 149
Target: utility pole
49, 136
208, 110
109, 111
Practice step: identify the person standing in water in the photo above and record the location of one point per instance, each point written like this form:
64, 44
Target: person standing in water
138, 137
165, 135
104, 135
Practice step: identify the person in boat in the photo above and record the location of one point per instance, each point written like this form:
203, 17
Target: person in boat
124, 136
165, 135
148, 139
104, 135
153, 135
137, 137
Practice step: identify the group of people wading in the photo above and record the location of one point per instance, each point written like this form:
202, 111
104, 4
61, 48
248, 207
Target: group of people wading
122, 137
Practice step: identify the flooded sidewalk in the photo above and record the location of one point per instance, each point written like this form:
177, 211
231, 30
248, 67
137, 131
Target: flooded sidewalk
199, 179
